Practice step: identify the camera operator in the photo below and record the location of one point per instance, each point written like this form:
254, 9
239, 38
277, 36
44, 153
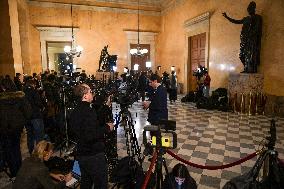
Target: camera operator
89, 135
35, 127
157, 103
206, 83
142, 84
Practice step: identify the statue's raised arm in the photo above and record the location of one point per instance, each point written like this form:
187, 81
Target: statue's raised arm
233, 20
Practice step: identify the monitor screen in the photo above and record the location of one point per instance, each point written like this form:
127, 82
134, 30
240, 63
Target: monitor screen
76, 168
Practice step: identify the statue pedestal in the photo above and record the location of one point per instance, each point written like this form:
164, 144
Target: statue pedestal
246, 93
105, 76
245, 83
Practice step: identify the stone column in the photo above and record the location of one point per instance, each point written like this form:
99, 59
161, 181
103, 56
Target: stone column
10, 47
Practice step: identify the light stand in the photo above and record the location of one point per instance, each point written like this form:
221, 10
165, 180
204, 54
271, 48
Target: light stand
66, 143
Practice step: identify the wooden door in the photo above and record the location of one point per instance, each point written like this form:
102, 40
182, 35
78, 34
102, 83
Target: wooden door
196, 57
140, 60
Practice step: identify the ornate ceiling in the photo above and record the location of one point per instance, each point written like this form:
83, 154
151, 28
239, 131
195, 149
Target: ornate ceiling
146, 5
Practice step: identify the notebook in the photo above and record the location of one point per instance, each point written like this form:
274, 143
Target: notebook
71, 182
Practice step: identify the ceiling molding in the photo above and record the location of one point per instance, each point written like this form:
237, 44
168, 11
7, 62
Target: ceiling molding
45, 4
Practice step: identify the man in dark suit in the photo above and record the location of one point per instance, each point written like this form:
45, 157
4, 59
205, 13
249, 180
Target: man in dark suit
157, 103
89, 135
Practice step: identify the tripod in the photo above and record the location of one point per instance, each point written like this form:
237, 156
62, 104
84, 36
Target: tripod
65, 145
160, 160
125, 119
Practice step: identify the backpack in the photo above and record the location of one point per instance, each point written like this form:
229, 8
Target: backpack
128, 174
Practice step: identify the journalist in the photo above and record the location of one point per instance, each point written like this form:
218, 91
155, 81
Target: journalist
15, 110
34, 174
89, 135
157, 103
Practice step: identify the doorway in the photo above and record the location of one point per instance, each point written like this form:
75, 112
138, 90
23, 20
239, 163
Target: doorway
55, 55
140, 60
196, 53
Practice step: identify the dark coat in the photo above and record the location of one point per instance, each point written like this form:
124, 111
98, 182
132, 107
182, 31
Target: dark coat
35, 101
142, 83
89, 134
14, 111
158, 107
35, 175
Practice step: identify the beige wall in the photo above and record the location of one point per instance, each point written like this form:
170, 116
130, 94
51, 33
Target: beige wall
99, 28
224, 39
96, 29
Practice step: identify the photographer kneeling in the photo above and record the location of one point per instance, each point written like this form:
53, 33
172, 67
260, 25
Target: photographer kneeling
35, 175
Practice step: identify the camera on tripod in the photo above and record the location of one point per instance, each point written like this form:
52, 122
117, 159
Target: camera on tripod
161, 135
200, 71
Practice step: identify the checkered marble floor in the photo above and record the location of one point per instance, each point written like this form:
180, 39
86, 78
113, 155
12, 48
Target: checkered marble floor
204, 137
209, 137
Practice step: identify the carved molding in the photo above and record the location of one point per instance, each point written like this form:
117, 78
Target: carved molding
92, 8
56, 29
53, 34
197, 19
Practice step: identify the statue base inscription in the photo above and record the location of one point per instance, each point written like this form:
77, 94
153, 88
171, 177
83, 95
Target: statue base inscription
246, 93
245, 83
105, 76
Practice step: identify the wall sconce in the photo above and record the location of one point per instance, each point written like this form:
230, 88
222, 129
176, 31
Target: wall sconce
173, 68
114, 68
136, 66
158, 67
148, 64
125, 69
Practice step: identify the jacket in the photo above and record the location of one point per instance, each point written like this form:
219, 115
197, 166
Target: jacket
35, 101
89, 134
35, 175
158, 107
14, 112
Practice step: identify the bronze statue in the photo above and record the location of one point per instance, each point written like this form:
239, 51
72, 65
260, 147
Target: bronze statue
103, 58
250, 38
106, 61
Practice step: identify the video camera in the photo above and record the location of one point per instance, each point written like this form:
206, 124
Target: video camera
126, 94
161, 135
200, 71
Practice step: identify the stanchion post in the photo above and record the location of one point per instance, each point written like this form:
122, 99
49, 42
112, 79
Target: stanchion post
249, 107
242, 103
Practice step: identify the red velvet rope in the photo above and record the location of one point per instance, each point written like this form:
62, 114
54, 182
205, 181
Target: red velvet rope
149, 172
212, 167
